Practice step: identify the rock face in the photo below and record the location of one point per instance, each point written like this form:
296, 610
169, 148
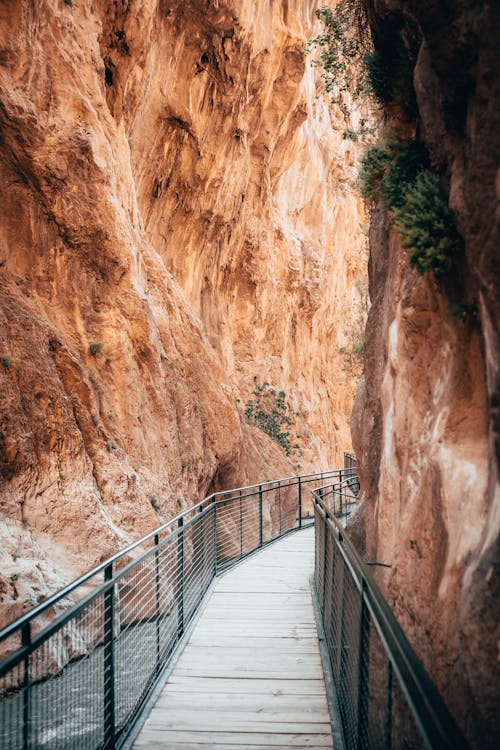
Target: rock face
426, 421
177, 224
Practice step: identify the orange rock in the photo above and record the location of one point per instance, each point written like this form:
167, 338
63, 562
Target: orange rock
178, 223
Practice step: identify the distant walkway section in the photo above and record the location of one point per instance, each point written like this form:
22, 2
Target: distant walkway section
251, 674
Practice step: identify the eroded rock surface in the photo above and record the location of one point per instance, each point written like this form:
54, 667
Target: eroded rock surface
177, 223
425, 423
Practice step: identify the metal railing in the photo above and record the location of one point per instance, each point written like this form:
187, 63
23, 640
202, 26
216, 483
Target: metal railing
385, 697
350, 461
78, 669
341, 498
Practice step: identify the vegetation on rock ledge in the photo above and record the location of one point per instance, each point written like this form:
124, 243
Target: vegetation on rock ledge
269, 411
396, 176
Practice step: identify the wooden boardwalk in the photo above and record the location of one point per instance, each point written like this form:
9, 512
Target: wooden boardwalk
250, 676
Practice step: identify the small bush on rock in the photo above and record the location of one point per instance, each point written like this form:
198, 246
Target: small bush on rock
155, 503
397, 178
388, 171
426, 227
269, 411
462, 310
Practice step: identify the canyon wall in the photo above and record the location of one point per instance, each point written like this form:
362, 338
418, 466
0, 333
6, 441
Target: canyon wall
426, 420
177, 224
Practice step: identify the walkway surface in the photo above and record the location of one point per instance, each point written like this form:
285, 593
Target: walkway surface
251, 675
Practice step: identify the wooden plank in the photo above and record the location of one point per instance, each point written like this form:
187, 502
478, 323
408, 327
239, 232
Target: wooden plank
217, 632
177, 717
291, 644
246, 657
192, 720
178, 745
246, 686
228, 701
227, 713
251, 675
171, 739
260, 673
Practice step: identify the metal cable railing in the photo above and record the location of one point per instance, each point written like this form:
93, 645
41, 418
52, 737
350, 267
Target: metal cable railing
77, 669
340, 498
350, 461
385, 697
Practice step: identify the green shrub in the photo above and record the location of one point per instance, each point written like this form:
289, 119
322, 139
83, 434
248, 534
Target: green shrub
378, 81
387, 172
350, 135
407, 159
343, 39
462, 310
6, 362
375, 164
349, 62
269, 411
389, 74
95, 348
396, 177
155, 503
426, 227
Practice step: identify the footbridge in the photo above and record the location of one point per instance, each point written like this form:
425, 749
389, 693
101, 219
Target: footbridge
248, 621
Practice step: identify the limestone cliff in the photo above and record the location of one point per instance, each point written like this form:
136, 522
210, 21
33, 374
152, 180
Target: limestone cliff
426, 421
177, 224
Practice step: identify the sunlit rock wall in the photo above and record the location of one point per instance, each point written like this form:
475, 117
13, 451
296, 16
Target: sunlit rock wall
177, 223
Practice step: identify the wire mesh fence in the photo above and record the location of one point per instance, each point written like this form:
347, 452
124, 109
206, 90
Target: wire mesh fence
77, 670
385, 698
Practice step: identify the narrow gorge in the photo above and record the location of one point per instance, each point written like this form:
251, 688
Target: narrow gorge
190, 222
179, 224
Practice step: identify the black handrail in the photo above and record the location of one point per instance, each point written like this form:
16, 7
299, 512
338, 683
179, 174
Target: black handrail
115, 641
391, 695
63, 593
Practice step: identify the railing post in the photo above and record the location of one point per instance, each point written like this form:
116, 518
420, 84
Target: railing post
261, 536
363, 667
279, 505
325, 544
180, 578
340, 609
241, 526
157, 595
109, 661
203, 555
26, 641
214, 535
300, 503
